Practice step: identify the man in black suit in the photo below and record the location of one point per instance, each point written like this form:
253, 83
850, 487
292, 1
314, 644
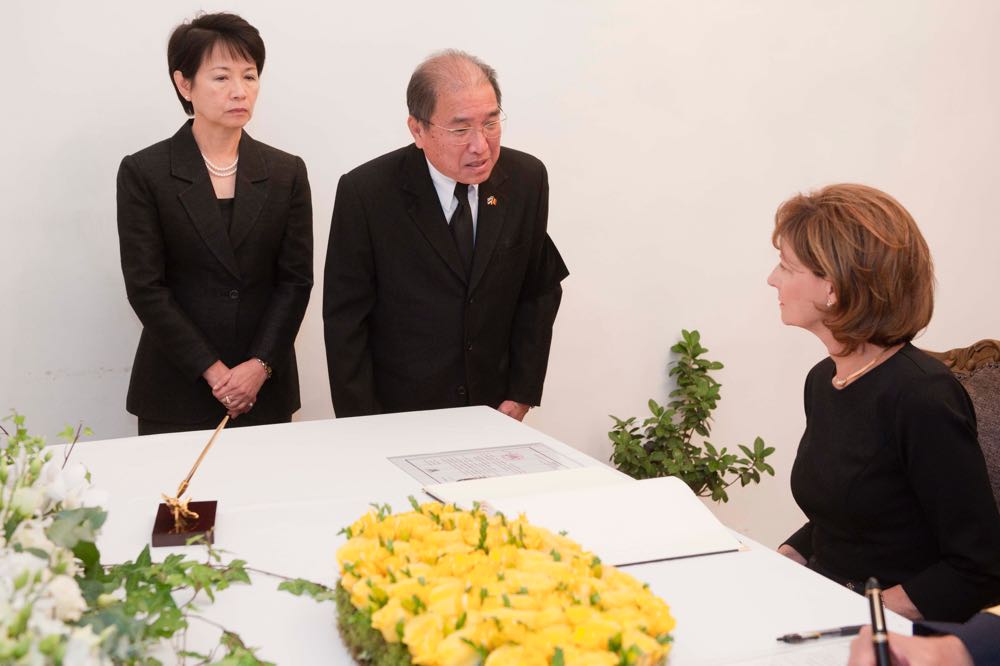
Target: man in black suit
441, 283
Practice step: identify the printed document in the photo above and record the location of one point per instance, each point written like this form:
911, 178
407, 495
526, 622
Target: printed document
449, 466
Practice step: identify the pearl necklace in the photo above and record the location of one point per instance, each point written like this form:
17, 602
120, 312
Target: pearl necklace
841, 383
221, 172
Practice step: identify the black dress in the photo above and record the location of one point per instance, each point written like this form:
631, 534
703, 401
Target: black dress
891, 477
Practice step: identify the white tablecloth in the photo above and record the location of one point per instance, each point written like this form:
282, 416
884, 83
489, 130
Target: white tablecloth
284, 492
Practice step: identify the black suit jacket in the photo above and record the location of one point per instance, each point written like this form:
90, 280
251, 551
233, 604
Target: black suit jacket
405, 329
203, 294
981, 636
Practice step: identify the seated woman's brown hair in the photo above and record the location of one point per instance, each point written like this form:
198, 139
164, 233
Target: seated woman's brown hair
865, 243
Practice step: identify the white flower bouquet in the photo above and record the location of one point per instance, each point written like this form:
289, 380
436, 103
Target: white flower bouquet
59, 605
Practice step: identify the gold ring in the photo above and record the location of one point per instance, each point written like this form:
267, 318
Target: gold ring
227, 400
251, 405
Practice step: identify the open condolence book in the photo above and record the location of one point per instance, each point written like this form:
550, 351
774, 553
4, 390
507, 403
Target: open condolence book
620, 520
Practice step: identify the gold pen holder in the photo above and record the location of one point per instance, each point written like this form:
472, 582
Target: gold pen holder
178, 521
167, 533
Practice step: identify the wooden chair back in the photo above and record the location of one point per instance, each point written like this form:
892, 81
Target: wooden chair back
978, 368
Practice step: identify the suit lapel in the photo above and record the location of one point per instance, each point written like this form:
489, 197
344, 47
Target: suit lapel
251, 190
424, 208
489, 222
198, 198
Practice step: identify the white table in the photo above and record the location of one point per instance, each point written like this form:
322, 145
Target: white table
284, 492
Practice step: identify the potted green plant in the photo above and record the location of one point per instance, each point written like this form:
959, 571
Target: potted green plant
665, 444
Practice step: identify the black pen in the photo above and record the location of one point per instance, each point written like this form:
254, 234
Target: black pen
880, 639
821, 633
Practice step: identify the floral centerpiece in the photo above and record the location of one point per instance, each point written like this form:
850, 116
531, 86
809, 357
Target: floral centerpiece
441, 586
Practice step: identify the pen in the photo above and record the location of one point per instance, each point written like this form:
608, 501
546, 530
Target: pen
880, 639
821, 633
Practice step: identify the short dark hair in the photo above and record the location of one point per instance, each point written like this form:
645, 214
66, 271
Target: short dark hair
448, 67
192, 42
869, 247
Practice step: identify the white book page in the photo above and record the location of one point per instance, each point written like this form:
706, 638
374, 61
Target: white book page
826, 653
486, 491
628, 523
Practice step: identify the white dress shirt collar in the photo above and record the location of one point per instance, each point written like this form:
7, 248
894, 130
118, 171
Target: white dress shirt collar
445, 188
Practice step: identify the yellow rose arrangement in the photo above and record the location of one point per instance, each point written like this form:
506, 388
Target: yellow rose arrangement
440, 586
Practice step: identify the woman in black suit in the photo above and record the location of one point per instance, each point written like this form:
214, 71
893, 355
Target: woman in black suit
215, 232
889, 471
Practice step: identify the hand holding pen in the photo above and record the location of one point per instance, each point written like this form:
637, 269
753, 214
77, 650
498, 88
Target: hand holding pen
911, 650
880, 637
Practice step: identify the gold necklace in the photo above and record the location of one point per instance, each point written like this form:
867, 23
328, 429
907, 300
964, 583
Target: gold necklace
841, 383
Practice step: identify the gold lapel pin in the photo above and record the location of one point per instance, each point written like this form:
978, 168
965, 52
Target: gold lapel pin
491, 200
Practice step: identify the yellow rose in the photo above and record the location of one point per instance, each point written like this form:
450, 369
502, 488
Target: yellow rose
453, 651
385, 619
515, 655
591, 658
446, 596
595, 632
422, 634
358, 548
578, 614
553, 635
535, 583
362, 591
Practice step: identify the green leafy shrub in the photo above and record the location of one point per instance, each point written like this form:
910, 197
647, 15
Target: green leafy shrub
664, 445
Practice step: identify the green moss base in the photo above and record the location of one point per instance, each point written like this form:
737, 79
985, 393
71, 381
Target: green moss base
366, 644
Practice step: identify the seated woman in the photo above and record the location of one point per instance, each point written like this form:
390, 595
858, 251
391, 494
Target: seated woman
889, 471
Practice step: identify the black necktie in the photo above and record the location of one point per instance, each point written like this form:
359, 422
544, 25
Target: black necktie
461, 226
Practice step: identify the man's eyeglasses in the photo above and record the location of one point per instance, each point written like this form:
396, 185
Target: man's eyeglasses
461, 136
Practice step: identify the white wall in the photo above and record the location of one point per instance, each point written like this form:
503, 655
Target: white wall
671, 130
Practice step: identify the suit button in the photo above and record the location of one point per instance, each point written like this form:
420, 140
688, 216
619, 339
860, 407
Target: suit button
234, 294
460, 390
471, 301
468, 346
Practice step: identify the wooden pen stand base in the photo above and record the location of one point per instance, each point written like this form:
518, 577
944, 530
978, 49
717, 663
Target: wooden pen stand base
164, 533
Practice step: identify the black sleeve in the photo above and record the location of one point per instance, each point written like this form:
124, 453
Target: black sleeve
275, 335
936, 433
538, 303
801, 540
348, 299
143, 252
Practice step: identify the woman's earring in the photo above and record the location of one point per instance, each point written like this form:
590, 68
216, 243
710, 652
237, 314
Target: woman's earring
829, 301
